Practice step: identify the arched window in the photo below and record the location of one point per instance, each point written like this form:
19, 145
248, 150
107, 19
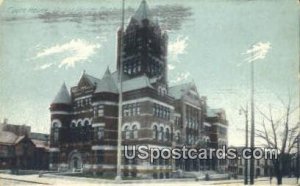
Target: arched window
134, 132
79, 123
155, 132
177, 137
55, 132
167, 138
86, 123
161, 134
127, 132
73, 124
207, 141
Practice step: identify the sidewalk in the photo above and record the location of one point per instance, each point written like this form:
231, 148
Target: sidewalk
67, 180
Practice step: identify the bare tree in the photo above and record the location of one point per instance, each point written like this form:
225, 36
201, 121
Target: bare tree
280, 133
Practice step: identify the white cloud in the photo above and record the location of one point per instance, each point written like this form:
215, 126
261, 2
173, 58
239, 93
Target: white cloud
181, 77
77, 50
44, 66
177, 48
258, 51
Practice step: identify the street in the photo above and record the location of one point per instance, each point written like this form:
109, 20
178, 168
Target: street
8, 180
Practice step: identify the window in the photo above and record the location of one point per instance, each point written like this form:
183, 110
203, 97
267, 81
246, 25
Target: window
86, 123
161, 111
126, 111
100, 133
127, 132
79, 123
125, 68
129, 68
155, 132
177, 137
56, 134
99, 156
73, 124
161, 134
167, 134
138, 109
134, 132
139, 66
131, 109
100, 111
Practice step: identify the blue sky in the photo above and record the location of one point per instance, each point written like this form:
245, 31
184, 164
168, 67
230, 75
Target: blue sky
44, 43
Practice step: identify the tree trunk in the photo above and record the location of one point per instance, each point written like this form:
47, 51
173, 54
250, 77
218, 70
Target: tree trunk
279, 180
278, 171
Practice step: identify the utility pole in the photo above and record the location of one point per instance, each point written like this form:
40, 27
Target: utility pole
298, 139
252, 125
120, 108
245, 111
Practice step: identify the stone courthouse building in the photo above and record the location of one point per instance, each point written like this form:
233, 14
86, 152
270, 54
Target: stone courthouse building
84, 121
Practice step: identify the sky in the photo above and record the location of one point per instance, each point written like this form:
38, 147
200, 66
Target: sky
44, 43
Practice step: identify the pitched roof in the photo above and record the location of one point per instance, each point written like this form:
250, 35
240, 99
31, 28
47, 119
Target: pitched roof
143, 12
40, 144
178, 91
62, 96
213, 112
136, 83
107, 83
7, 137
93, 80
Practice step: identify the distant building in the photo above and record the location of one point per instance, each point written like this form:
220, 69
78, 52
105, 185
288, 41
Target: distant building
84, 122
262, 167
217, 132
19, 151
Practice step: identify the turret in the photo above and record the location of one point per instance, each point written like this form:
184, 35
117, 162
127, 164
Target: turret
60, 109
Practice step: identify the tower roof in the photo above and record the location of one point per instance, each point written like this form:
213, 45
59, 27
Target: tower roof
143, 12
62, 96
107, 83
107, 73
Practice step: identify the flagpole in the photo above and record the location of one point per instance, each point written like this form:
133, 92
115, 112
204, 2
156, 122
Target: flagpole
119, 148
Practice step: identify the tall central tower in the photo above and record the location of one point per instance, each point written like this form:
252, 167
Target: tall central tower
144, 47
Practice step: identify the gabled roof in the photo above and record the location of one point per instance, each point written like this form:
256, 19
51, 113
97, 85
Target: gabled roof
7, 138
107, 83
136, 83
178, 91
143, 12
93, 80
63, 96
86, 78
110, 82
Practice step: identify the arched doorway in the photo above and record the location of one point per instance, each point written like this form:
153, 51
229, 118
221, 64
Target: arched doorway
75, 160
257, 172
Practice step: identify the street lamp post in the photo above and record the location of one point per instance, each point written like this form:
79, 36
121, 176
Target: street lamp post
245, 111
298, 157
252, 124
